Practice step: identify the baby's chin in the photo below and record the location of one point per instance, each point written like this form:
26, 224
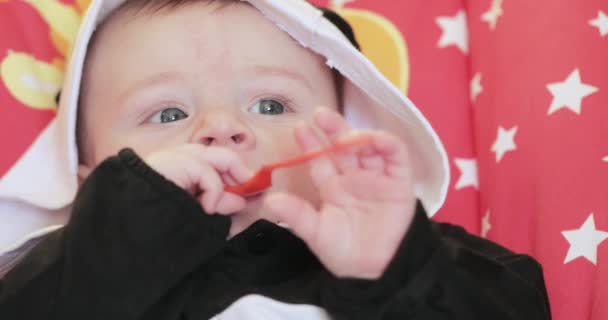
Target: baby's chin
252, 212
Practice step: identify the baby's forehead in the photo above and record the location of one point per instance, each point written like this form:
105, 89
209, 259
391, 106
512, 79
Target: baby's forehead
164, 28
154, 7
130, 10
144, 44
141, 12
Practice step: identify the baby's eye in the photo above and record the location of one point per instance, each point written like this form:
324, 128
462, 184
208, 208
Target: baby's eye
168, 115
268, 106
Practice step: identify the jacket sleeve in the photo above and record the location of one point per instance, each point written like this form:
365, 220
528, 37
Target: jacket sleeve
442, 272
133, 236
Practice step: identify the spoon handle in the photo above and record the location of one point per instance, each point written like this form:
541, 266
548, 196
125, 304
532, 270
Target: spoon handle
316, 153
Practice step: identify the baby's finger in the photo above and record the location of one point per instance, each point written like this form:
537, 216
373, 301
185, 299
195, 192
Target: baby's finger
331, 123
370, 160
211, 186
230, 203
321, 168
225, 161
298, 214
394, 154
335, 127
228, 180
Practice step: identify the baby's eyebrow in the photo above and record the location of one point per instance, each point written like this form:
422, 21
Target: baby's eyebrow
163, 77
281, 72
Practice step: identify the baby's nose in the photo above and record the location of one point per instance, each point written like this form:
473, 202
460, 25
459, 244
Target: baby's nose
225, 131
221, 139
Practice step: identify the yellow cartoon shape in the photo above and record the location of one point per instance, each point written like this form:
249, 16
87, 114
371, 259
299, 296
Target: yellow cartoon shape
82, 5
33, 83
36, 83
63, 20
382, 43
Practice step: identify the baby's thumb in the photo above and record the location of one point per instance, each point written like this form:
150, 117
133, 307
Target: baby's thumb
229, 203
298, 214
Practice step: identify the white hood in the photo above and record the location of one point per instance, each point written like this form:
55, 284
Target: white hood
45, 180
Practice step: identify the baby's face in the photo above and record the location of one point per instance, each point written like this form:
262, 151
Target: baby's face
202, 74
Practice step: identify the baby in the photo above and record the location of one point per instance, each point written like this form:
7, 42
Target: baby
176, 100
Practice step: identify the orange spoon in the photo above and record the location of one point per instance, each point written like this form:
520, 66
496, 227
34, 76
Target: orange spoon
262, 180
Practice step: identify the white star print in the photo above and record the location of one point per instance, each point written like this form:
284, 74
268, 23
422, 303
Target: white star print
468, 173
339, 4
569, 93
491, 16
605, 159
454, 31
505, 142
485, 224
475, 86
584, 241
601, 23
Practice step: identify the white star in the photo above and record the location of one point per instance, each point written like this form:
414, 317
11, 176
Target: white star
505, 142
601, 23
485, 224
339, 4
468, 173
584, 241
491, 16
475, 86
454, 31
605, 159
569, 93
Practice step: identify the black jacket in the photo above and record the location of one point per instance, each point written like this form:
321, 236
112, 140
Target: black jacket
139, 247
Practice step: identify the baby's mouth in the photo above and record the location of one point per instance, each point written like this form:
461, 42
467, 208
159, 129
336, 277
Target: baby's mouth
254, 197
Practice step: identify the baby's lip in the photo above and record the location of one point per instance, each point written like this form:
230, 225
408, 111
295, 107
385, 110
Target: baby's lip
254, 196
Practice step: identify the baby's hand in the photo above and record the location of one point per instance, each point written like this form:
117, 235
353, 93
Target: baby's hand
203, 172
367, 200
